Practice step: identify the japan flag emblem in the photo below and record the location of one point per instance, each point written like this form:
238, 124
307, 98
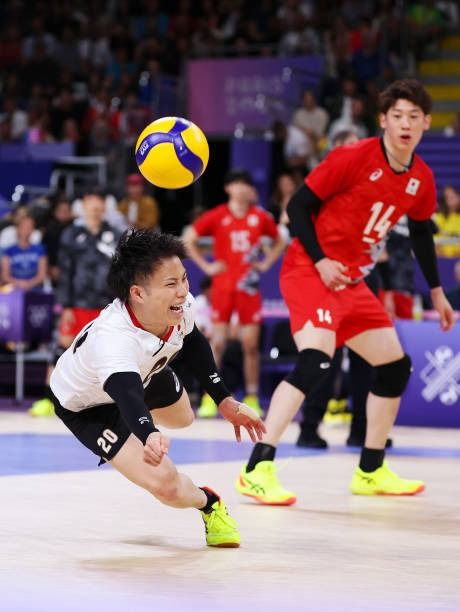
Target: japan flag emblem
376, 175
412, 186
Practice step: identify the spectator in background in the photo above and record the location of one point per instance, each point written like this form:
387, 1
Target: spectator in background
354, 122
15, 117
24, 264
86, 249
285, 187
61, 217
139, 209
454, 128
311, 119
454, 294
448, 223
9, 234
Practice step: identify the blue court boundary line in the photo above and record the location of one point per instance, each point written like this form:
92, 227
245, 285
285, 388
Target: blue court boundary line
27, 453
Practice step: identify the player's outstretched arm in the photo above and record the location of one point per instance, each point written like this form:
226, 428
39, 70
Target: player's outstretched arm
421, 235
240, 415
198, 355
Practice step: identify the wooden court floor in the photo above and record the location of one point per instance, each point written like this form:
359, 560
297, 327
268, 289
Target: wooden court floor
74, 537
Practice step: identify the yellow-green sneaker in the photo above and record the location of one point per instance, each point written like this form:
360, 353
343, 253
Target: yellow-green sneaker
383, 481
262, 484
208, 408
42, 408
337, 412
253, 402
221, 529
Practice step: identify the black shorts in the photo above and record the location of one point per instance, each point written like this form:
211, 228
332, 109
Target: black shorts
103, 430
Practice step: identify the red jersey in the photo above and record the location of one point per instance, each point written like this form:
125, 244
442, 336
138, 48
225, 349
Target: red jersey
362, 199
236, 239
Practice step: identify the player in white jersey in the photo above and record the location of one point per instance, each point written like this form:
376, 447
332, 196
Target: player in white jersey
113, 386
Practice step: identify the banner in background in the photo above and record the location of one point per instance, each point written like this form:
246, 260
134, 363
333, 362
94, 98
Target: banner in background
222, 93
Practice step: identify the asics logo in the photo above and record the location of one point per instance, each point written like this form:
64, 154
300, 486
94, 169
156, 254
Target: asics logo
376, 175
325, 365
252, 486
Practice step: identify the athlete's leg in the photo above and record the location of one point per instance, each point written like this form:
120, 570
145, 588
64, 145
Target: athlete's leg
175, 416
287, 399
250, 335
163, 481
378, 347
218, 340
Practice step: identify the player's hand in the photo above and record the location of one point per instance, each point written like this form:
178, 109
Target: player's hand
443, 308
215, 267
333, 273
156, 447
240, 415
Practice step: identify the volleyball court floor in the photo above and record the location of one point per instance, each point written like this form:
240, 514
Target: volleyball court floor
75, 537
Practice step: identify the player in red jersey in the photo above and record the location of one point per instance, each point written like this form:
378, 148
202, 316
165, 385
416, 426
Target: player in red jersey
340, 217
237, 228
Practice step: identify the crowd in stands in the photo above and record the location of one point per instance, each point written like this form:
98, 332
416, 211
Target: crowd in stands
91, 71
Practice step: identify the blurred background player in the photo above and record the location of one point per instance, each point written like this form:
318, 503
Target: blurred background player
237, 228
378, 180
86, 249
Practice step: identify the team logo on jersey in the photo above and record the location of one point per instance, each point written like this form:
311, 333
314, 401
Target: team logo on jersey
441, 376
376, 175
253, 220
107, 236
226, 220
412, 186
81, 238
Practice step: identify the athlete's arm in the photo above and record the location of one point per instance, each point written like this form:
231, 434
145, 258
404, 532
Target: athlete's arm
127, 391
421, 236
300, 209
210, 268
198, 355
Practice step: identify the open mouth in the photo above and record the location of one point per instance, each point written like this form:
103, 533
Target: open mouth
177, 308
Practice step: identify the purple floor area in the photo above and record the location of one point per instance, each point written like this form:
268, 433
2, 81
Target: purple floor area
22, 454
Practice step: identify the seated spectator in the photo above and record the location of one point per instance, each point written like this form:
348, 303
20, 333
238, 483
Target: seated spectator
311, 119
448, 223
454, 128
15, 117
285, 188
9, 234
24, 264
454, 294
61, 218
353, 122
139, 209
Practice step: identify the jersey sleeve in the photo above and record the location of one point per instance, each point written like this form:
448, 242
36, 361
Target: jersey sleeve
334, 174
425, 206
269, 227
205, 224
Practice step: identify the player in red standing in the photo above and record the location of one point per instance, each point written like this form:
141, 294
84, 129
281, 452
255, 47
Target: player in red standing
339, 217
237, 228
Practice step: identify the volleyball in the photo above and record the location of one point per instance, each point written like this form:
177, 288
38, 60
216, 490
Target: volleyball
172, 152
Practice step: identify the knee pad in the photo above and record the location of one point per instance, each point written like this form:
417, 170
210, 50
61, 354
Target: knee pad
391, 378
312, 366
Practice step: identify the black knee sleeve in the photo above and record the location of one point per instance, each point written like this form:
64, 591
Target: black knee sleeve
311, 367
391, 378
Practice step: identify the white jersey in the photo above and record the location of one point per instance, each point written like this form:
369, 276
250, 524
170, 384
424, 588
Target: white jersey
109, 344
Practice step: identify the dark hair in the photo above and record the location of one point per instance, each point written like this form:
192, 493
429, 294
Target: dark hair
139, 253
99, 192
405, 89
238, 175
341, 136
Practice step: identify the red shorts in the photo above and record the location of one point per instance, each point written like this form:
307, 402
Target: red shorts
348, 313
404, 304
225, 302
82, 316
